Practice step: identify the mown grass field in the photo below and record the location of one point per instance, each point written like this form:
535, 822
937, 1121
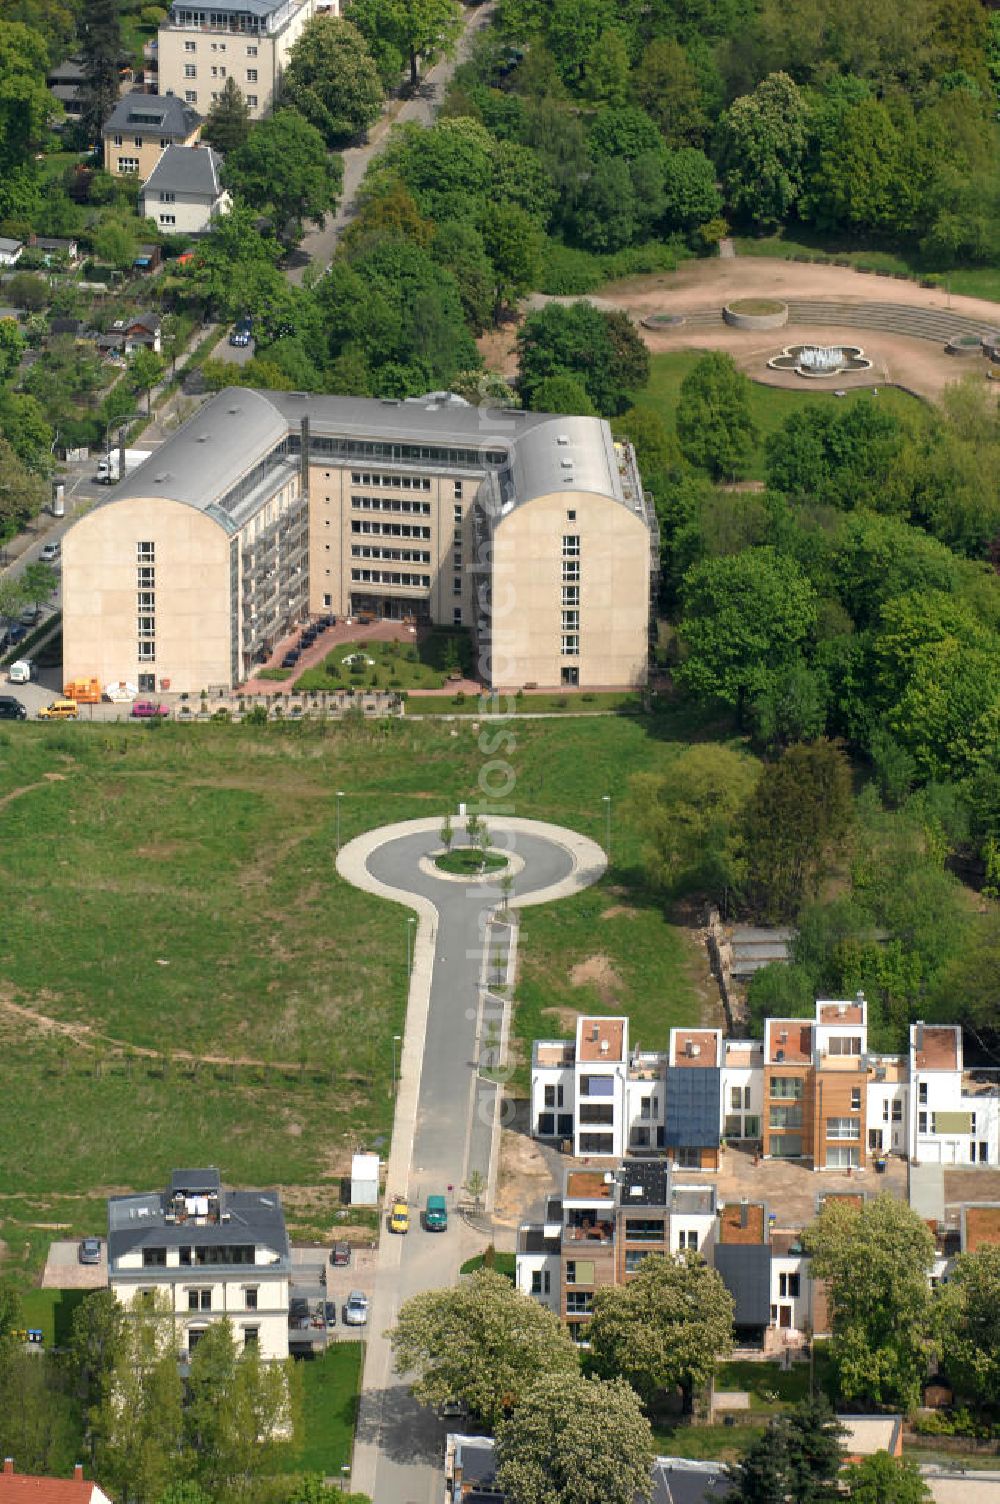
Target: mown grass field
330, 1387
186, 980
770, 405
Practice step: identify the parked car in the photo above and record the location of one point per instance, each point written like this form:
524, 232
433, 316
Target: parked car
298, 1306
356, 1309
341, 1255
330, 1312
453, 1410
22, 671
242, 333
11, 709
16, 633
436, 1214
399, 1215
149, 709
290, 659
90, 1251
30, 616
60, 710
50, 551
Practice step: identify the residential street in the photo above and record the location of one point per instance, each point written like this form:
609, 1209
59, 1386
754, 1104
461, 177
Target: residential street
318, 246
399, 1446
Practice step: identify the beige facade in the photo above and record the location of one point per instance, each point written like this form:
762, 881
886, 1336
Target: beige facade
269, 507
139, 560
570, 598
199, 49
130, 154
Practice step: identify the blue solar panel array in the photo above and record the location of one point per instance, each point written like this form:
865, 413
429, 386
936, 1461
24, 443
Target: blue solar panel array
692, 1109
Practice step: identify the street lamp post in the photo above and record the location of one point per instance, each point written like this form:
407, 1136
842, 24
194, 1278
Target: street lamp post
340, 795
409, 945
396, 1039
606, 801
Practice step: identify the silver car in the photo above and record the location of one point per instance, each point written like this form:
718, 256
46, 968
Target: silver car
356, 1309
90, 1251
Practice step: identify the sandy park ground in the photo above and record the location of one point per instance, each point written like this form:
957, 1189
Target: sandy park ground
917, 364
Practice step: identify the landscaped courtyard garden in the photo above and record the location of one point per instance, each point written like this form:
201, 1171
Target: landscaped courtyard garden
426, 663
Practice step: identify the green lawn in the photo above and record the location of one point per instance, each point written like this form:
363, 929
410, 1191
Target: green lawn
503, 1263
330, 1387
423, 664
770, 405
187, 980
770, 1388
466, 859
716, 1443
973, 282
52, 1311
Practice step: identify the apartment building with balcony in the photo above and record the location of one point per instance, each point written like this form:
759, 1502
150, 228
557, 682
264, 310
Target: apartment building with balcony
603, 1227
370, 506
954, 1112
206, 1253
200, 48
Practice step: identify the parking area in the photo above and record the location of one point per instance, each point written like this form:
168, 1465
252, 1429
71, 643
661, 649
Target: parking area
309, 1265
63, 1270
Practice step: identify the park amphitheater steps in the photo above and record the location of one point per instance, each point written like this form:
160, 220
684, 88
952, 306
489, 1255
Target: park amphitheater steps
935, 324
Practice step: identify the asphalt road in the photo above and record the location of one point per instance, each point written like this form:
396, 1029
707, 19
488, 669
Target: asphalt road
408, 1441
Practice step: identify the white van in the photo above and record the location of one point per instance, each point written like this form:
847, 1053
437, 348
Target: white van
23, 671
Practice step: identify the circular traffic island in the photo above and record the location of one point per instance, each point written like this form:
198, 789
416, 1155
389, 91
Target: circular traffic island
469, 861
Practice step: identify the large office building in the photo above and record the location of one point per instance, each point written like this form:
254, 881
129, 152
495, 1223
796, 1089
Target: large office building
269, 507
200, 48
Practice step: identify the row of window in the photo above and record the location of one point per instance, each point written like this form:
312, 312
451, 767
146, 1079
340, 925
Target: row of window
145, 553
390, 577
395, 482
140, 141
401, 555
390, 529
390, 504
191, 97
218, 47
190, 71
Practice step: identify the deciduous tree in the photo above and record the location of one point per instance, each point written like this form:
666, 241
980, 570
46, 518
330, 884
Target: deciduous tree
744, 619
881, 1479
762, 140
666, 1329
422, 30
970, 1325
573, 1440
482, 1342
284, 168
332, 80
688, 817
877, 1260
793, 824
714, 423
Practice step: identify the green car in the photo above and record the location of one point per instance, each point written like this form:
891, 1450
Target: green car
436, 1215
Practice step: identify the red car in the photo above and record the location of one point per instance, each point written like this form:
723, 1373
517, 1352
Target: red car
147, 709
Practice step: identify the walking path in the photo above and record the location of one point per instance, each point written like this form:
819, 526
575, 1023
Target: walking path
317, 247
440, 1119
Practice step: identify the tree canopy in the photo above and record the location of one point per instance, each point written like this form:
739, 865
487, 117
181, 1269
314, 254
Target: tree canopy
572, 1440
483, 1342
332, 81
666, 1328
877, 1260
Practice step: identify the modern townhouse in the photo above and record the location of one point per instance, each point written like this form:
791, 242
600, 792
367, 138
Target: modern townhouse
811, 1091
